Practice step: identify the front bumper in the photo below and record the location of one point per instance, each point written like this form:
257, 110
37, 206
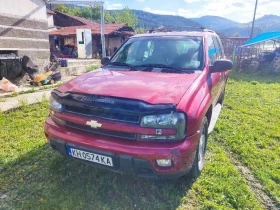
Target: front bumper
131, 157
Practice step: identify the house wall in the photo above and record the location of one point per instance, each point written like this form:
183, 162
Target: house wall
113, 42
24, 29
50, 21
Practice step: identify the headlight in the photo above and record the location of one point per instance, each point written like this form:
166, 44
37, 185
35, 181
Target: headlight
163, 120
175, 120
55, 105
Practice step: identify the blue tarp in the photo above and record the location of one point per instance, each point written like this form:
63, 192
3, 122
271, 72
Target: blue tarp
262, 37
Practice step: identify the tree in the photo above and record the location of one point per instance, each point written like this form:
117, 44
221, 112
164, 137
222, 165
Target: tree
93, 13
62, 8
126, 16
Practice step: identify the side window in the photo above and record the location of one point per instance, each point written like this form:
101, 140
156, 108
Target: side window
211, 50
219, 49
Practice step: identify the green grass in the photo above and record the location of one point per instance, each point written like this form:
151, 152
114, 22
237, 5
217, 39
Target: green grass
33, 176
250, 127
220, 186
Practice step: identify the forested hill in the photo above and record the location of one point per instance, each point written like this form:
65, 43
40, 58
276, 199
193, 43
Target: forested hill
149, 20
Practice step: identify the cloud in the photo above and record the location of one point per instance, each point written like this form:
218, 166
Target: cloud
160, 12
111, 6
191, 1
140, 0
238, 4
238, 10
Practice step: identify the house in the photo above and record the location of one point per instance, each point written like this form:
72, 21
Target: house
24, 29
64, 20
115, 34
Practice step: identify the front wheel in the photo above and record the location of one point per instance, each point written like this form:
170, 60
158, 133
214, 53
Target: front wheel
201, 149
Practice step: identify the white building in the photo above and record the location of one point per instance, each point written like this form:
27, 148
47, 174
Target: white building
24, 29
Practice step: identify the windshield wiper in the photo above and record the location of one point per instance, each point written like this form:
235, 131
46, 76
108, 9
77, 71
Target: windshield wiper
132, 67
165, 68
149, 67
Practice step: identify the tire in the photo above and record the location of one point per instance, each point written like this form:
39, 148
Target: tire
200, 151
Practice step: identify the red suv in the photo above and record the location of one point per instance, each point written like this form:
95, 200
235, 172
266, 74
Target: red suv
148, 110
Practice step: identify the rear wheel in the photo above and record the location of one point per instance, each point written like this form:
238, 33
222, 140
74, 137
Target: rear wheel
201, 149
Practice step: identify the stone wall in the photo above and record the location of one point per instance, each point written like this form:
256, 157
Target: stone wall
24, 30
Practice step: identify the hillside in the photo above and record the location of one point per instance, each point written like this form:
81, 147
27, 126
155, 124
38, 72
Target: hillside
149, 20
264, 24
221, 25
216, 23
268, 23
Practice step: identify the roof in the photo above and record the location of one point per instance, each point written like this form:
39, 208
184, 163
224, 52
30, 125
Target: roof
262, 38
95, 29
83, 21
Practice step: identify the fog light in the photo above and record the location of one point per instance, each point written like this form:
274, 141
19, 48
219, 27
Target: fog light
158, 137
164, 162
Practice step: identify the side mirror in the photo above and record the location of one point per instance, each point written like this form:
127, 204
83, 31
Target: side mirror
105, 60
221, 65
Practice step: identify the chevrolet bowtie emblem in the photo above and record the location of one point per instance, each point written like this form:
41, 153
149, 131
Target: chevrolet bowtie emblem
94, 124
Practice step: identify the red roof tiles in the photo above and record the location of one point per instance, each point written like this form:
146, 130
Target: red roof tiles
83, 21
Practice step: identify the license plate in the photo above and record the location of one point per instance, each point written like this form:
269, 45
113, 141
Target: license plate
89, 156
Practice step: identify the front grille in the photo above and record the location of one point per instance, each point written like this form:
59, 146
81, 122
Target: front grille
108, 108
104, 114
117, 134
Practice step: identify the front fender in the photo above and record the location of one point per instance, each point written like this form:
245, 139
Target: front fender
196, 116
195, 104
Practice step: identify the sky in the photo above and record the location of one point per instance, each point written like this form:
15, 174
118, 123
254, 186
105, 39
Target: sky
237, 10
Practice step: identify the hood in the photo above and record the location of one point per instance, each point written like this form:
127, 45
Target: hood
154, 88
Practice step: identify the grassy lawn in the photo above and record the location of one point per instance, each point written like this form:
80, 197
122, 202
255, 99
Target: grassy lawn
250, 126
32, 176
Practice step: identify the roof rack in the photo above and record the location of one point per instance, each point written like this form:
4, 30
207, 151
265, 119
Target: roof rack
186, 28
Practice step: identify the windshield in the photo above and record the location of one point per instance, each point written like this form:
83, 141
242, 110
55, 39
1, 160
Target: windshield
179, 53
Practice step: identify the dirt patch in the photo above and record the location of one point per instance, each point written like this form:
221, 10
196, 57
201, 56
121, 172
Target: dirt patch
255, 185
